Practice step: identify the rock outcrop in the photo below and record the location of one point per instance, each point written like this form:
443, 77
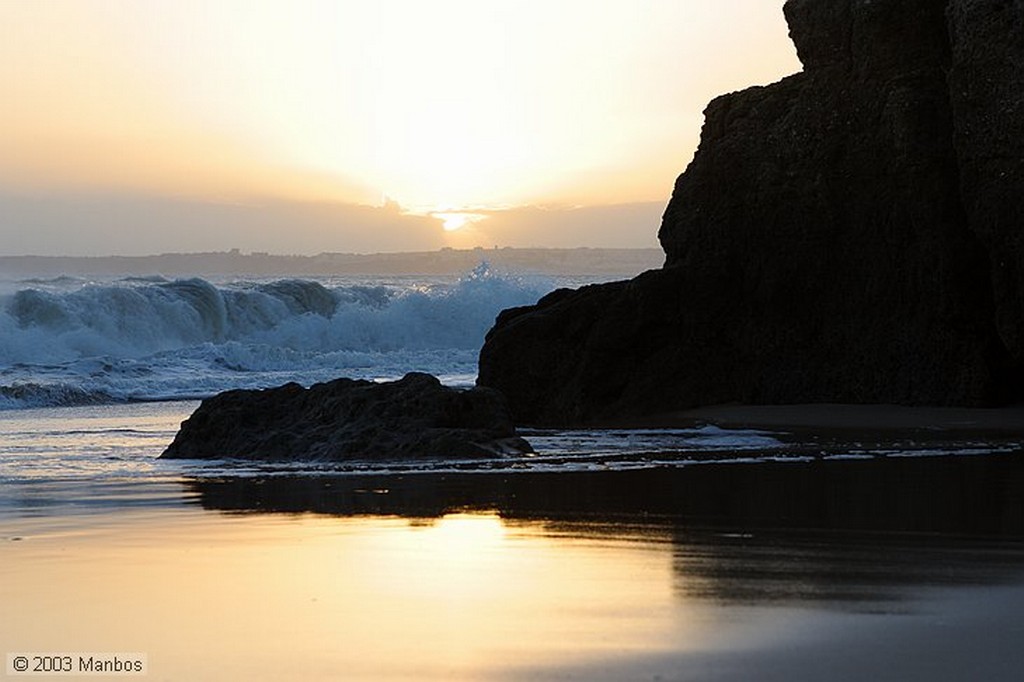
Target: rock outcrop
852, 233
414, 417
986, 88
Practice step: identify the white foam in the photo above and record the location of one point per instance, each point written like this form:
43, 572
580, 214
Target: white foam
148, 337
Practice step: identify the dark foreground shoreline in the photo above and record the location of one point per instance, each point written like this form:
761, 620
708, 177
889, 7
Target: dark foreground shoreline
977, 495
880, 568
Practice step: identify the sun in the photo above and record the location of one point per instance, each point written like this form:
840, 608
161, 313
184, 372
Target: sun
454, 221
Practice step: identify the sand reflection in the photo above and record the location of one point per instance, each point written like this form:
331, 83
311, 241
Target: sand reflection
709, 573
464, 596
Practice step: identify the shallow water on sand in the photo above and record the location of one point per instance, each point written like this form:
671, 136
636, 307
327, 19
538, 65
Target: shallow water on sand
614, 557
474, 596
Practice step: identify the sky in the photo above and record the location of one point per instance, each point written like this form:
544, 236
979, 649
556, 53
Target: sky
301, 126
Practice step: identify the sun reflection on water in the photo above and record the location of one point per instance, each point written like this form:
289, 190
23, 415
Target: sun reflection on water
464, 596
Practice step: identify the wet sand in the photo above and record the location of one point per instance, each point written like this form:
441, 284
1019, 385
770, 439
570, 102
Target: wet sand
961, 495
881, 569
948, 635
475, 596
839, 552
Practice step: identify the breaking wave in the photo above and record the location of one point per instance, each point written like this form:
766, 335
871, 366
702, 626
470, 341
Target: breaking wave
148, 338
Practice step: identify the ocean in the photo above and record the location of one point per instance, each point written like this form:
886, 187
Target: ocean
86, 341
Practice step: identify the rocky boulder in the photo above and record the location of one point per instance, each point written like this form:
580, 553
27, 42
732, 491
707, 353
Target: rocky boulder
851, 233
414, 417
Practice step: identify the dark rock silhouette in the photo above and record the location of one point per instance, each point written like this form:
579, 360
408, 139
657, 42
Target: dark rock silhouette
986, 87
413, 417
851, 233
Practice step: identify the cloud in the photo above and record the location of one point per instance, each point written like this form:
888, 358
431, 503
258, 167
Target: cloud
71, 224
131, 224
632, 225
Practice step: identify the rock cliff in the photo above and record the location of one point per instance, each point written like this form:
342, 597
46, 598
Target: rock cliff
852, 233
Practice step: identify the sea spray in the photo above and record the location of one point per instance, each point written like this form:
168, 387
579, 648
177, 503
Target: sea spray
145, 338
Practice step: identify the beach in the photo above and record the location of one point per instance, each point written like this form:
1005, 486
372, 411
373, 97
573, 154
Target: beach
471, 595
587, 566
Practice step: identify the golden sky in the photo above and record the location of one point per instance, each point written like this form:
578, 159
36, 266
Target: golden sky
440, 105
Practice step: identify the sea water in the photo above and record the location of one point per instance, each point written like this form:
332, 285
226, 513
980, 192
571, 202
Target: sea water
74, 341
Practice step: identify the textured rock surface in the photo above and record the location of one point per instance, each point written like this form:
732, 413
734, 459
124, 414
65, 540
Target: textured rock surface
849, 234
986, 85
415, 417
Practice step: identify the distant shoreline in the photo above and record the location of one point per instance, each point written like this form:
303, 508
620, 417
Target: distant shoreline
555, 261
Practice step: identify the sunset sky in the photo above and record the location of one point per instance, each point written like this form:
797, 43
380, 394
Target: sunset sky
144, 126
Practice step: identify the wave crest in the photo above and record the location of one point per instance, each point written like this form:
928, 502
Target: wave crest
145, 336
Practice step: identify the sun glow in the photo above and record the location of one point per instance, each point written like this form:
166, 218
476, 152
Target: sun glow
476, 104
463, 597
454, 221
